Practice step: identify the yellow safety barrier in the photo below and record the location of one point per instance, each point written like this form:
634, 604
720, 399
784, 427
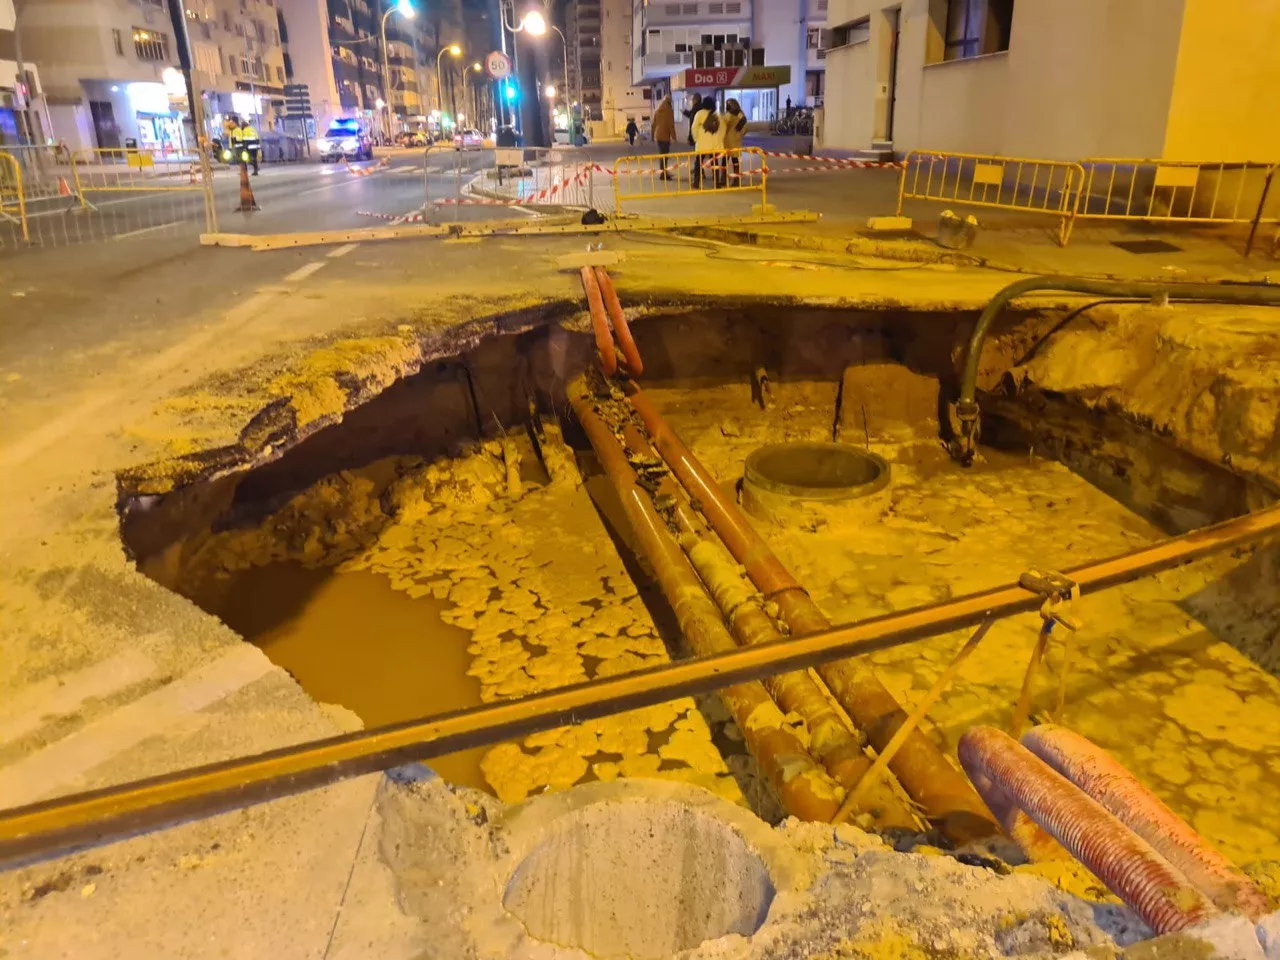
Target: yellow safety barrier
133, 169
690, 174
1017, 184
12, 195
1179, 190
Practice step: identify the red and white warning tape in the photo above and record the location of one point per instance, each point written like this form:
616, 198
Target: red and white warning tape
832, 163
365, 171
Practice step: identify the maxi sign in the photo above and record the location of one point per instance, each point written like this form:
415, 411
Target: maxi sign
741, 78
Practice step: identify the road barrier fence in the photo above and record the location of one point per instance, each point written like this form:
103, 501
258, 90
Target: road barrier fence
54, 197
1114, 189
660, 176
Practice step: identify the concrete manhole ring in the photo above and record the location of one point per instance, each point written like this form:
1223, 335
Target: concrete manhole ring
640, 869
784, 477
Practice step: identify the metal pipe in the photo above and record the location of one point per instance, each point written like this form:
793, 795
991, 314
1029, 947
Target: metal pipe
73, 822
831, 741
940, 789
599, 323
966, 407
630, 353
802, 786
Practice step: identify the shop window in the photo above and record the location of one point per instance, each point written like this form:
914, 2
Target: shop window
118, 39
150, 45
971, 28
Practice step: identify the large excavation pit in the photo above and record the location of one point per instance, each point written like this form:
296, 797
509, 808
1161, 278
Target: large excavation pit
453, 541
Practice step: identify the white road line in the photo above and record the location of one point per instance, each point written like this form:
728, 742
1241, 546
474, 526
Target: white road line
342, 251
59, 696
304, 271
169, 710
340, 183
138, 233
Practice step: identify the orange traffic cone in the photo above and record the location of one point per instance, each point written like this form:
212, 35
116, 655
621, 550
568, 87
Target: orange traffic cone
64, 188
247, 203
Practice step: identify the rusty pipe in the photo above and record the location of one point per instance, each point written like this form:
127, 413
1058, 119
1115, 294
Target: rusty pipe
599, 323
831, 741
802, 786
1099, 775
630, 353
1131, 869
941, 790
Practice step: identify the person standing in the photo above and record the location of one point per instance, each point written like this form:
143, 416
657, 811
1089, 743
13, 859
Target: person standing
632, 130
664, 131
708, 136
694, 106
247, 136
735, 125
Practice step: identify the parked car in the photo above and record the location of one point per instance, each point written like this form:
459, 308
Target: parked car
468, 140
346, 137
412, 138
580, 136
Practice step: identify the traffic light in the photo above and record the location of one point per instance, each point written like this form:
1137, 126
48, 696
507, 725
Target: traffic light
509, 90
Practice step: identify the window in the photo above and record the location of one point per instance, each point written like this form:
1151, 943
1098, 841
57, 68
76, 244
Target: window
280, 74
715, 8
971, 28
733, 8
150, 45
205, 31
118, 39
231, 65
822, 6
690, 9
673, 9
855, 31
226, 21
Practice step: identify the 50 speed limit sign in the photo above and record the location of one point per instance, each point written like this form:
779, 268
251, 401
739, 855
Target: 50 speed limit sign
497, 65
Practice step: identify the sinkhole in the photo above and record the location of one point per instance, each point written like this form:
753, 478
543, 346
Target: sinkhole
451, 540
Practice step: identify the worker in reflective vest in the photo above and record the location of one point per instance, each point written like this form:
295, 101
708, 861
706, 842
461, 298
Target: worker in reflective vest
247, 142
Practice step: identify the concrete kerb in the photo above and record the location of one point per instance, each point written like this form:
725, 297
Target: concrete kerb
520, 227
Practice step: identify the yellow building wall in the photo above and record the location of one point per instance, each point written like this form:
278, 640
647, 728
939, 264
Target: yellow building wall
1226, 88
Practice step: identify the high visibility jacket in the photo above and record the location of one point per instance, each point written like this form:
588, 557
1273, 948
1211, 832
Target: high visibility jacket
245, 134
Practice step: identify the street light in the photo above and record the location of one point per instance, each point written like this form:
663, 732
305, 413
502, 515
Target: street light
534, 23
568, 92
454, 51
405, 9
550, 91
476, 90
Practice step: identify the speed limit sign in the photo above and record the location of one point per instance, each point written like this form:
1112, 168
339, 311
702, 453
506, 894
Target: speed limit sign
497, 65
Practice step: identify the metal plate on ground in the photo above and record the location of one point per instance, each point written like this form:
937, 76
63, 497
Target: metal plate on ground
1146, 246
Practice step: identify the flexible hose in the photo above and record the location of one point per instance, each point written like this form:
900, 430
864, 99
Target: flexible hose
967, 405
1098, 774
1162, 896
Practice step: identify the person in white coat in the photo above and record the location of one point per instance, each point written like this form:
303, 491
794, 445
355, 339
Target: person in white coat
708, 138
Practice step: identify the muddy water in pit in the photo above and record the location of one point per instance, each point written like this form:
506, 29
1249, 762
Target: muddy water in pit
349, 638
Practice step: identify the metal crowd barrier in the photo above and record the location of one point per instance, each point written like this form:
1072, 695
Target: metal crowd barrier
1179, 191
691, 174
13, 204
1020, 184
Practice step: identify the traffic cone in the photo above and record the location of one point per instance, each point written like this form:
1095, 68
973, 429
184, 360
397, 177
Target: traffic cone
64, 188
247, 203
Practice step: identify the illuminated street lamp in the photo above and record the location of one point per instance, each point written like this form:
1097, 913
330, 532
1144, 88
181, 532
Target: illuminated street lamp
479, 69
405, 9
452, 50
550, 91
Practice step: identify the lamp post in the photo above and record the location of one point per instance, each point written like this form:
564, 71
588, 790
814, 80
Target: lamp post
476, 99
454, 51
568, 90
405, 9
532, 20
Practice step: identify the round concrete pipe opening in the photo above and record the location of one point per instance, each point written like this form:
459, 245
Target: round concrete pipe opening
783, 476
639, 879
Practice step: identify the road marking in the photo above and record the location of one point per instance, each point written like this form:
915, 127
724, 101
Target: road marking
342, 251
55, 697
340, 183
175, 705
304, 271
138, 233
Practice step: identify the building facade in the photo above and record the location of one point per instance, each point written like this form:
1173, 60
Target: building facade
1148, 79
620, 99
671, 38
582, 30
111, 74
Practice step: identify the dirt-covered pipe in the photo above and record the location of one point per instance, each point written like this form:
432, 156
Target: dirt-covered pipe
967, 406
1131, 869
1098, 774
599, 323
630, 352
802, 786
944, 794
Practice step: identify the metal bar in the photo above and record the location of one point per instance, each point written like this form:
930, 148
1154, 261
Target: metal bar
70, 823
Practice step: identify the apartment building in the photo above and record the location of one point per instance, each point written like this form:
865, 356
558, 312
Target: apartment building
582, 30
620, 100
698, 45
1167, 79
110, 68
